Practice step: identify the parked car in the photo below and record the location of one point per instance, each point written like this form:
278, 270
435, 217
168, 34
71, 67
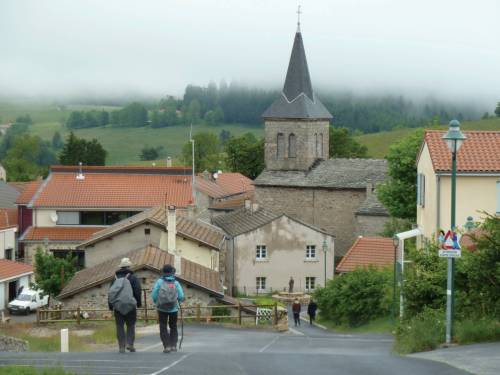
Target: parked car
28, 301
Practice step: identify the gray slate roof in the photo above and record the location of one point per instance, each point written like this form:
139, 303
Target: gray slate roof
298, 100
333, 173
8, 195
244, 220
372, 207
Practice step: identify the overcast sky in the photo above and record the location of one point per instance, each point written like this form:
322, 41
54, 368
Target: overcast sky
442, 47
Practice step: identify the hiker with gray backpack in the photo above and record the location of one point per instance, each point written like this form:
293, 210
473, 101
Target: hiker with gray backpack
124, 297
167, 294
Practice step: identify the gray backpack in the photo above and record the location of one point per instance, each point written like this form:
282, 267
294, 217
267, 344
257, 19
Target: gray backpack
167, 296
120, 295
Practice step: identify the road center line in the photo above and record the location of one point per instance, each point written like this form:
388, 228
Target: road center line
269, 344
171, 365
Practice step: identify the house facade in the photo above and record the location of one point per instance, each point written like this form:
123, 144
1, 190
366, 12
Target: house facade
265, 249
8, 232
478, 180
74, 203
13, 276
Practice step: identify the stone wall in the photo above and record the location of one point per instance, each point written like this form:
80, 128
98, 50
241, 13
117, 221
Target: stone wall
97, 296
307, 133
331, 210
11, 344
370, 225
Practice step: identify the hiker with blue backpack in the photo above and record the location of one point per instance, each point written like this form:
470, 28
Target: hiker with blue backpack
167, 294
124, 297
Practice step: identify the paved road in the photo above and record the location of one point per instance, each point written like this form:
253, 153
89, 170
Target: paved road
215, 350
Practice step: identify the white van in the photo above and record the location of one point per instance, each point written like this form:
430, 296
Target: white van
28, 301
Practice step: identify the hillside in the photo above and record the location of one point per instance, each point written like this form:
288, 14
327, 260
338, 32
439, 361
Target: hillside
123, 144
378, 143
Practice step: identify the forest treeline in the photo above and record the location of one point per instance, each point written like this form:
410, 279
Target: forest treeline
229, 104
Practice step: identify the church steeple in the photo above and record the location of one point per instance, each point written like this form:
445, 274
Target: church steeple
298, 100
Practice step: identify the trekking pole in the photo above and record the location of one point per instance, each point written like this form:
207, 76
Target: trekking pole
182, 327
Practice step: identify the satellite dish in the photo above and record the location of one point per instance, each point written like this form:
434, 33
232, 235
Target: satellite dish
54, 217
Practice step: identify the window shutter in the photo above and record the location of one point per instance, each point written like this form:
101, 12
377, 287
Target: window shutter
418, 189
422, 190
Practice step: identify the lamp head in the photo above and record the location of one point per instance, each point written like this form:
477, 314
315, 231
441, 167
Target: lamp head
454, 137
395, 240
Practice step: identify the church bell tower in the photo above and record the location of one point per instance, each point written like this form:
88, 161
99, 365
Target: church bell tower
297, 123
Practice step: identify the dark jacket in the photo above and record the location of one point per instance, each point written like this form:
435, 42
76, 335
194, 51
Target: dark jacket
134, 283
296, 308
311, 308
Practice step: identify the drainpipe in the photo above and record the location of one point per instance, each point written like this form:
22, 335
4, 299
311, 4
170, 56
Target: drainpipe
438, 203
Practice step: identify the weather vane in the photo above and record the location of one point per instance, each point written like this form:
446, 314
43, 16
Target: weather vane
298, 18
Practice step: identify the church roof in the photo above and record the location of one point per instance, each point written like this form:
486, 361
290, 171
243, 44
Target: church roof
330, 174
297, 100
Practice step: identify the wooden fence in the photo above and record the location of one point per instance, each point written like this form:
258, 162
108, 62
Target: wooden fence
237, 313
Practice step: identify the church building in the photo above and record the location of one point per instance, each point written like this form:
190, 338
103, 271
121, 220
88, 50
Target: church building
300, 180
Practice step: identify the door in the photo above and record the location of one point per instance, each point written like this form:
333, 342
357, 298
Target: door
12, 290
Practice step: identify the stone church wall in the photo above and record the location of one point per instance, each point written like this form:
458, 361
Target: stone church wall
331, 210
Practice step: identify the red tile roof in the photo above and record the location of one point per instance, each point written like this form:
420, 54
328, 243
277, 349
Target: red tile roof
150, 257
122, 169
366, 251
19, 186
479, 153
70, 234
114, 190
10, 269
28, 192
8, 218
210, 188
234, 183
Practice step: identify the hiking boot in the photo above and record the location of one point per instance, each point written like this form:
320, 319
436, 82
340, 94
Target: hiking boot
166, 350
131, 349
121, 350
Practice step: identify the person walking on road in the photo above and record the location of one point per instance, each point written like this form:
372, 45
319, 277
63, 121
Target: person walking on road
124, 298
311, 311
296, 308
167, 294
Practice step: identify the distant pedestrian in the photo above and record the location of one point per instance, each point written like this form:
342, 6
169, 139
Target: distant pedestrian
296, 308
124, 297
290, 285
311, 311
167, 294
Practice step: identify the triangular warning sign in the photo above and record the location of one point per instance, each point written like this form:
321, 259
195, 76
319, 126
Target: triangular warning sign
451, 241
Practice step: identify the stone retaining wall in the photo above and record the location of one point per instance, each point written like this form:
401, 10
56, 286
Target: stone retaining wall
11, 344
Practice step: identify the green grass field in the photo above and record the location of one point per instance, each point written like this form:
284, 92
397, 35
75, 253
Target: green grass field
378, 143
123, 144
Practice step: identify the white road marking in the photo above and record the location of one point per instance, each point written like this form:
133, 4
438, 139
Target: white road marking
150, 347
295, 332
171, 365
269, 344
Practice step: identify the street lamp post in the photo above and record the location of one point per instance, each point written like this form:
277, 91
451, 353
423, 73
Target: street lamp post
454, 139
325, 249
395, 241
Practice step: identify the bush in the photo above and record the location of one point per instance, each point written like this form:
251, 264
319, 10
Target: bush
23, 370
221, 311
471, 330
356, 297
425, 331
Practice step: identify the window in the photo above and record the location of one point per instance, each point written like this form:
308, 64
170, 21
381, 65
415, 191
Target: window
147, 231
92, 218
68, 218
316, 143
498, 197
310, 283
260, 283
292, 146
311, 252
8, 254
321, 145
421, 189
261, 252
280, 152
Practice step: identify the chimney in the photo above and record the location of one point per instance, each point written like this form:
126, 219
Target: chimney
369, 188
171, 240
248, 204
255, 207
169, 161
